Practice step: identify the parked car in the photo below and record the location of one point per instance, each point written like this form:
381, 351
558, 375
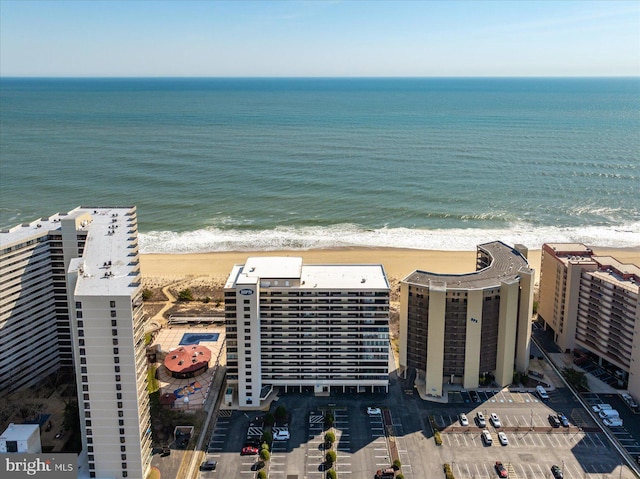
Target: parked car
281, 435
557, 473
502, 437
480, 420
553, 420
462, 417
628, 398
249, 451
165, 452
495, 420
563, 419
474, 396
613, 422
257, 465
500, 469
208, 466
486, 437
601, 407
373, 411
388, 473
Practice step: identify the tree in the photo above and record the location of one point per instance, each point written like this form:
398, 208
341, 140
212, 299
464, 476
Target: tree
185, 295
71, 421
264, 454
267, 437
269, 419
147, 294
331, 457
330, 438
576, 378
281, 413
328, 420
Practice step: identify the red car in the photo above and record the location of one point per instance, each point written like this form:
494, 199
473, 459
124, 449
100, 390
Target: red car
500, 469
249, 451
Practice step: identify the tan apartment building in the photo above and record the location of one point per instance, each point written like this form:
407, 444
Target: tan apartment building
456, 327
589, 303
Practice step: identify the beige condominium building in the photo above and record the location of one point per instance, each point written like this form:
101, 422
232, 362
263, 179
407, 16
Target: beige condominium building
454, 328
71, 289
589, 303
296, 325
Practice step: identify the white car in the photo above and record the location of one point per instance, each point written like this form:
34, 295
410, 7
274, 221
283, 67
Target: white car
373, 411
486, 437
462, 417
281, 435
495, 420
613, 422
502, 437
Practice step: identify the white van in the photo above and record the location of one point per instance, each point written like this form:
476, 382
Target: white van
601, 407
542, 393
614, 422
609, 414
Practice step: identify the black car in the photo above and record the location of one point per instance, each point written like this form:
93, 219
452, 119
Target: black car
256, 466
553, 420
557, 473
474, 396
208, 466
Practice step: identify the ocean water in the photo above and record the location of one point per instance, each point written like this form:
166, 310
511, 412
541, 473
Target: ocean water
265, 164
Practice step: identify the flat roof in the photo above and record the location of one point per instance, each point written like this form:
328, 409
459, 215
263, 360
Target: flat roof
506, 264
106, 267
310, 276
19, 432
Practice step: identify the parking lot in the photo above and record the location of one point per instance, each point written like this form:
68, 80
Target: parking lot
363, 442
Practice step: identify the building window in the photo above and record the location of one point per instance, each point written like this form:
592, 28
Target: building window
112, 304
87, 423
120, 414
116, 351
86, 405
91, 473
85, 397
82, 350
83, 369
123, 457
122, 440
122, 431
119, 405
114, 332
125, 474
89, 433
124, 465
85, 387
117, 368
117, 377
120, 422
81, 342
79, 316
87, 414
89, 440
123, 448
118, 387
81, 332
247, 316
84, 379
78, 305
118, 395
247, 308
89, 448
12, 446
115, 341
83, 360
116, 359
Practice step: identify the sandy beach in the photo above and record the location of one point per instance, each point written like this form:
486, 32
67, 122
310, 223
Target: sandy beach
398, 263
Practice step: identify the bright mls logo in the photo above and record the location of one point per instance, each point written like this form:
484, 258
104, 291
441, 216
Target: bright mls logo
60, 466
246, 292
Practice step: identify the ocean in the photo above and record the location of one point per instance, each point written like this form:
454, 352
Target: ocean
239, 164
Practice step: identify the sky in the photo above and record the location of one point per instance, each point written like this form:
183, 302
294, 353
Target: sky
349, 38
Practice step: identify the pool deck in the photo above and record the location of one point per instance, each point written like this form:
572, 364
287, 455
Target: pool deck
169, 338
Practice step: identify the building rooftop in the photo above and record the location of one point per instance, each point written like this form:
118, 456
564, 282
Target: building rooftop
19, 432
309, 276
107, 265
506, 263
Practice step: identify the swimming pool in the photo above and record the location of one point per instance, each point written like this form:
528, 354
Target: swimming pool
195, 338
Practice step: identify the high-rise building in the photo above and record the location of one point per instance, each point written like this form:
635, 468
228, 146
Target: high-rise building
298, 325
590, 303
456, 327
75, 279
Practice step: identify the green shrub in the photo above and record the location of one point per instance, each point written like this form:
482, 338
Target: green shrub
328, 420
437, 438
185, 295
330, 437
264, 454
267, 437
262, 474
397, 464
400, 476
147, 294
332, 474
264, 445
331, 457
